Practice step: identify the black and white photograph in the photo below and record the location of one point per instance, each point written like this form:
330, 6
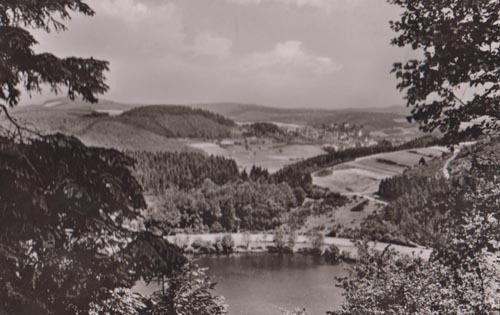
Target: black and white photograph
249, 157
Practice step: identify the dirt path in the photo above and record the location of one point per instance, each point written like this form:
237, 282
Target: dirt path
378, 201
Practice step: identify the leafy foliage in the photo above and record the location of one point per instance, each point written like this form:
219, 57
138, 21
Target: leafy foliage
252, 206
189, 293
424, 207
66, 217
264, 129
390, 284
461, 276
71, 234
332, 254
227, 243
459, 45
20, 65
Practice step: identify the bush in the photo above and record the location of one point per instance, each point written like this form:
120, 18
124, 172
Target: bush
361, 206
202, 247
324, 172
246, 240
299, 216
216, 228
317, 240
227, 243
332, 254
335, 199
219, 249
291, 239
279, 238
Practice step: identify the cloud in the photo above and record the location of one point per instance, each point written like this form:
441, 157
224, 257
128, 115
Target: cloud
327, 5
155, 29
123, 8
135, 26
207, 43
188, 51
290, 57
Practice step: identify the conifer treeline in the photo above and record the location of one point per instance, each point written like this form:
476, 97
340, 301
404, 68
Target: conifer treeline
424, 204
158, 171
179, 110
299, 174
198, 193
397, 186
263, 129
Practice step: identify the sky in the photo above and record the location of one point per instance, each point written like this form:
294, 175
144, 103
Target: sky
283, 53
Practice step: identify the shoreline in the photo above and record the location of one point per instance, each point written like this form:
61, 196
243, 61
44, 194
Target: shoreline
259, 243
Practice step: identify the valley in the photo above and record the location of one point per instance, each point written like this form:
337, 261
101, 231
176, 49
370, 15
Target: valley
309, 171
269, 191
249, 157
262, 142
299, 134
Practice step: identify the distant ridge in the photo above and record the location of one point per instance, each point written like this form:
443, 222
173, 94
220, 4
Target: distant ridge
157, 127
371, 118
229, 107
67, 104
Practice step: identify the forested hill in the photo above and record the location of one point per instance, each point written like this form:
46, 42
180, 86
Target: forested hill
125, 126
178, 121
423, 203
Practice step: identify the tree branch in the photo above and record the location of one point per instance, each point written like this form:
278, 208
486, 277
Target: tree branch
19, 127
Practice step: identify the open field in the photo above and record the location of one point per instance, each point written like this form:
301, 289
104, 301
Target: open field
271, 157
341, 217
363, 175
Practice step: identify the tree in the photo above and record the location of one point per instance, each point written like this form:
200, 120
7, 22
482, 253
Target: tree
228, 244
67, 235
332, 254
454, 85
317, 240
279, 238
21, 66
461, 276
72, 239
189, 293
458, 279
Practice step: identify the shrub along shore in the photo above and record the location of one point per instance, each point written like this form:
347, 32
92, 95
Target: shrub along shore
226, 243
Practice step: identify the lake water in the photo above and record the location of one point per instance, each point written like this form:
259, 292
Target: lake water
266, 284
263, 284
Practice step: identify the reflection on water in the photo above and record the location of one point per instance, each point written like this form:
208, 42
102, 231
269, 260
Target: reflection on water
262, 284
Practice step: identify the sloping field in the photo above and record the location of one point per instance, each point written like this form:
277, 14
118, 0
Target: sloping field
114, 134
123, 126
270, 157
363, 175
96, 131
